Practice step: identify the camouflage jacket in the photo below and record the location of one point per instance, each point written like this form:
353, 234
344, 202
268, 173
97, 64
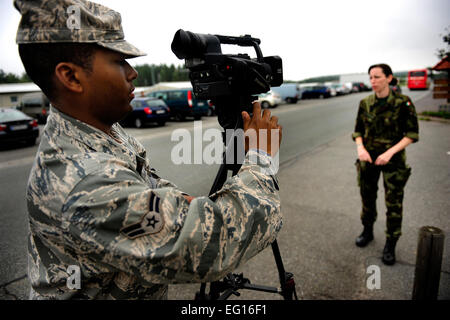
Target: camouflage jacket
94, 202
383, 126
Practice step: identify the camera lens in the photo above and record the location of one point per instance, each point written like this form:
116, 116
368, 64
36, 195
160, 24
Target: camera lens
188, 45
181, 44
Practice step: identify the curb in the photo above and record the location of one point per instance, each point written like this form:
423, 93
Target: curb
435, 119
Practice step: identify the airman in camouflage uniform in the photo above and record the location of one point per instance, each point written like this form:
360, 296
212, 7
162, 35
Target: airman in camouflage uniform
382, 124
95, 202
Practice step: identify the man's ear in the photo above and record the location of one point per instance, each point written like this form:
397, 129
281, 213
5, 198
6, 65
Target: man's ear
69, 76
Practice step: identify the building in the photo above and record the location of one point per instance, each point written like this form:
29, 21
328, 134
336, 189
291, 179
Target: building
441, 89
11, 93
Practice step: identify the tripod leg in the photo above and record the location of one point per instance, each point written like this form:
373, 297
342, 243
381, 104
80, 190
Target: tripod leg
286, 278
279, 262
201, 295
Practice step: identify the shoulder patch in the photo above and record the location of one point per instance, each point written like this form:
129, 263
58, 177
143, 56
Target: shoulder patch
151, 223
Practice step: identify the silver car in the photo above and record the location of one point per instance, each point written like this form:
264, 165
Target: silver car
269, 99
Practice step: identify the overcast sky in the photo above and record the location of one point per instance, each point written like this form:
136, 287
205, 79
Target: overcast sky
313, 38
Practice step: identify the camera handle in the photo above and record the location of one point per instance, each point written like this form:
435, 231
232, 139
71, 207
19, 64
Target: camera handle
233, 282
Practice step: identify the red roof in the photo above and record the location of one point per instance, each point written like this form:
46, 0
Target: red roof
444, 64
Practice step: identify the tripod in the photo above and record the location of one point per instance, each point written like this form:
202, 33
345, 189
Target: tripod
234, 282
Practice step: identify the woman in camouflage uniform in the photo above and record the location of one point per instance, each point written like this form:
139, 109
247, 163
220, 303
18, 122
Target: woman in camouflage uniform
386, 124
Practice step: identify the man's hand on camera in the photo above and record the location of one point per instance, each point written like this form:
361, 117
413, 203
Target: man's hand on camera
263, 139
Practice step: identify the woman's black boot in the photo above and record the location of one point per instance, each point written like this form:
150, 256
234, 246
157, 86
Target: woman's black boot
389, 251
365, 237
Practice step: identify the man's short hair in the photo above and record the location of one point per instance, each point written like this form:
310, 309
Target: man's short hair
40, 60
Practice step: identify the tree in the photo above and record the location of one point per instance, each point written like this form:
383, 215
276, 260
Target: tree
8, 77
441, 53
148, 75
152, 74
25, 78
12, 78
145, 75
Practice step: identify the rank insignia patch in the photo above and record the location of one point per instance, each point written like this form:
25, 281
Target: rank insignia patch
152, 222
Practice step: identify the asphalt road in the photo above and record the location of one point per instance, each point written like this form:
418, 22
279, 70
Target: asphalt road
308, 126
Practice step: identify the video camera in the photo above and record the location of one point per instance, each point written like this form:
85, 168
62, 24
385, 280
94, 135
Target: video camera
228, 80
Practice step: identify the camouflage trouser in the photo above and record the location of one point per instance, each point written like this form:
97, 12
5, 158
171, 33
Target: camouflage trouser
395, 176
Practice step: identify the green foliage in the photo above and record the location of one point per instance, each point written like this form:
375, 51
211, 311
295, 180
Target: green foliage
401, 74
152, 74
321, 79
148, 75
440, 114
402, 82
442, 52
12, 78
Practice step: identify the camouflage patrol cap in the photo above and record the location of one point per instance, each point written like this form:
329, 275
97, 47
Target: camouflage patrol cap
76, 21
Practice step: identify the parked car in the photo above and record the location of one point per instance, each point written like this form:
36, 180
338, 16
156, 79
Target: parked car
348, 87
17, 126
269, 99
35, 105
333, 92
289, 92
360, 87
340, 89
182, 103
319, 91
147, 110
